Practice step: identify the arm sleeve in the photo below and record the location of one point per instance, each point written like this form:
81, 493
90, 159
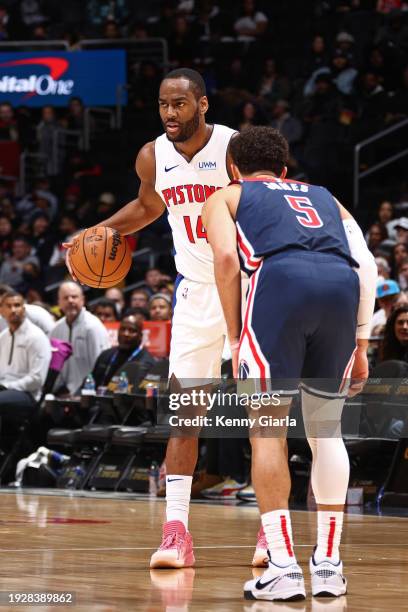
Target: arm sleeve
367, 274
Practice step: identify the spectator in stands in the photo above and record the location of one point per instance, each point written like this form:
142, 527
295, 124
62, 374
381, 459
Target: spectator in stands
42, 238
402, 230
251, 23
129, 349
98, 11
376, 234
146, 85
40, 32
105, 310
272, 85
403, 274
372, 103
160, 26
317, 57
31, 285
111, 30
40, 199
383, 268
38, 315
343, 74
67, 228
46, 133
388, 293
141, 314
25, 354
116, 295
345, 44
84, 331
395, 342
160, 307
249, 114
74, 119
152, 279
12, 270
139, 298
167, 288
395, 31
385, 215
289, 126
8, 123
323, 101
6, 237
399, 253
32, 13
181, 42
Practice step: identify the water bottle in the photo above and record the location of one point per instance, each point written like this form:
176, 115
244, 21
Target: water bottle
89, 386
153, 478
76, 477
123, 383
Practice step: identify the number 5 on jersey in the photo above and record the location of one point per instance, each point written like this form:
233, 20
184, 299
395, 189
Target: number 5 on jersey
199, 231
309, 217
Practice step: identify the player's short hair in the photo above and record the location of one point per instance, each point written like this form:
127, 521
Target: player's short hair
260, 148
196, 80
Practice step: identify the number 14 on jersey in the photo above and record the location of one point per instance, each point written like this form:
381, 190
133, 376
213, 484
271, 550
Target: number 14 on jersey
199, 229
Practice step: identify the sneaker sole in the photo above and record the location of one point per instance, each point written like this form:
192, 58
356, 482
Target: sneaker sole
332, 593
292, 595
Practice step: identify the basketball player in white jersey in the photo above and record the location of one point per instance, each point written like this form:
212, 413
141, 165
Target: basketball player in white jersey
178, 172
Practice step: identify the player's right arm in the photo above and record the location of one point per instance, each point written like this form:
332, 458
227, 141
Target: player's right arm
146, 208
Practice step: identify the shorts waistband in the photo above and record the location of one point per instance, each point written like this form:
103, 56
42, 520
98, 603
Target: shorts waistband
302, 255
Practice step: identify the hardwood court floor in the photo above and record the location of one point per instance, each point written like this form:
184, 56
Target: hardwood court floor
100, 548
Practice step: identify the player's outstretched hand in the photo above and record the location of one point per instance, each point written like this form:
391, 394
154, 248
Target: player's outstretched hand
359, 373
68, 245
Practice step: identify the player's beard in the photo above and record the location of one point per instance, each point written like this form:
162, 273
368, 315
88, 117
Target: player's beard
187, 129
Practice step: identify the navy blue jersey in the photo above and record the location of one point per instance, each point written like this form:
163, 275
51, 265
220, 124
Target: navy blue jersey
275, 215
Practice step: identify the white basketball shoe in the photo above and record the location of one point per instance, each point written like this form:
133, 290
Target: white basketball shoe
327, 579
277, 584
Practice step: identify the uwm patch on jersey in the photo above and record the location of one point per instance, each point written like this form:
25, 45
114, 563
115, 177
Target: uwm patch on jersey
184, 186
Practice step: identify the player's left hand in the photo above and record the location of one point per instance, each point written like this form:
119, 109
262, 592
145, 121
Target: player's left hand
359, 373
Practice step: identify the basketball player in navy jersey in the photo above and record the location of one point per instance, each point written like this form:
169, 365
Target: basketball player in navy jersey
308, 315
178, 171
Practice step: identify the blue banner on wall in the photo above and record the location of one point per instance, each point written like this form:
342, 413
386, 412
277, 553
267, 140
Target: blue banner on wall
39, 78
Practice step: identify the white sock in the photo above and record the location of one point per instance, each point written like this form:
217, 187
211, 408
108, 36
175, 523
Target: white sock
278, 532
178, 492
329, 527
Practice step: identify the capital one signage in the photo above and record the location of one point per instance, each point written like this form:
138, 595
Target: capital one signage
42, 78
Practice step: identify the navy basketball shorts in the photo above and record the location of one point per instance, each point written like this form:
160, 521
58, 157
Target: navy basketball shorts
300, 323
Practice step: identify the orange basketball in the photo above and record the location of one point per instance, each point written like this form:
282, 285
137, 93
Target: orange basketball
100, 257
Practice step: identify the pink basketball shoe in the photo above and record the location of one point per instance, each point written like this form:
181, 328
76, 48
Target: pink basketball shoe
260, 558
176, 549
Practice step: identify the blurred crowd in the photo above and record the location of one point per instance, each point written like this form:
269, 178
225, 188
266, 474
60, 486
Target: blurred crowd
338, 78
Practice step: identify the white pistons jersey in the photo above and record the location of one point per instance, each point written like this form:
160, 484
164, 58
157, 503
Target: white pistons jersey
184, 187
